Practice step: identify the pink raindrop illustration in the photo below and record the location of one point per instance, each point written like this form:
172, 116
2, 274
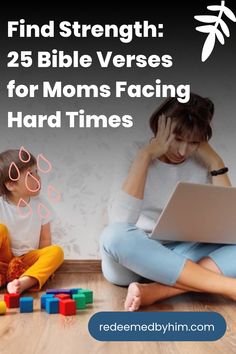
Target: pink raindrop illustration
53, 194
43, 211
14, 170
28, 179
41, 160
23, 208
22, 154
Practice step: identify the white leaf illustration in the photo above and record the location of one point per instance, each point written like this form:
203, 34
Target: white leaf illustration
224, 27
208, 46
205, 29
225, 9
220, 36
214, 7
206, 18
218, 30
229, 14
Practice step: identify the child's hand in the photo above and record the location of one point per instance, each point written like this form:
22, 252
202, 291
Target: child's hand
209, 156
159, 145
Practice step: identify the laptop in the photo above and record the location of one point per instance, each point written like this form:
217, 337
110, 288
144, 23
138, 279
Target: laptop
198, 213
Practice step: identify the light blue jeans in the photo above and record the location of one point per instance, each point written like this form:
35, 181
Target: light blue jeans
129, 255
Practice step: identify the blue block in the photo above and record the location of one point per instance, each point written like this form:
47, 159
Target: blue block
74, 291
52, 291
58, 291
26, 304
52, 305
43, 299
63, 291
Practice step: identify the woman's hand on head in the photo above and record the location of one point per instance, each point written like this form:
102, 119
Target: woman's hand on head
209, 156
159, 145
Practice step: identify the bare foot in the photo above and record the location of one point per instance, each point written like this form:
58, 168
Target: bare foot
14, 287
17, 286
147, 294
133, 298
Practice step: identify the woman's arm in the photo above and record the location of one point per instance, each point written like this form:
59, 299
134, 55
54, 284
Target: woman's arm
135, 182
213, 162
45, 236
126, 201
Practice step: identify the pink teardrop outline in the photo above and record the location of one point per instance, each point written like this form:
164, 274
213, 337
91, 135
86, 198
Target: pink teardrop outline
42, 206
17, 170
26, 184
50, 191
27, 152
19, 208
40, 156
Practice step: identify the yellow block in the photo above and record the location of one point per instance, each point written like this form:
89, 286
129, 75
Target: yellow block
3, 307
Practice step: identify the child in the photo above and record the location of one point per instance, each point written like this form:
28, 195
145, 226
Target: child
27, 258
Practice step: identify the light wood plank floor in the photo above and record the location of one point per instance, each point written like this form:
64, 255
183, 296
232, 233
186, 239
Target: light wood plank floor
40, 333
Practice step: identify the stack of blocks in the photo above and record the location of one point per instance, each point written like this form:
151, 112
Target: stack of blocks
63, 301
66, 301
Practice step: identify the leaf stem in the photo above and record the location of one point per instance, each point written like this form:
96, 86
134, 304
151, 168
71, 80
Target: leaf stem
220, 14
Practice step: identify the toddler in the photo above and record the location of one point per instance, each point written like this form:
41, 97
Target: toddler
27, 257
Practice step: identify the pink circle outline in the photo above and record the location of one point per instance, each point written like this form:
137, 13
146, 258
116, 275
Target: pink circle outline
40, 156
50, 190
42, 206
26, 184
20, 202
27, 152
17, 170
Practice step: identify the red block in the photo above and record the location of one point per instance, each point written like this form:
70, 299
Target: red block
67, 307
12, 300
62, 296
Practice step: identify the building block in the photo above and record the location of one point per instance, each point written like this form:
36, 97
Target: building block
3, 307
52, 305
74, 290
43, 299
88, 295
67, 307
52, 291
12, 300
26, 304
58, 291
80, 300
64, 291
62, 296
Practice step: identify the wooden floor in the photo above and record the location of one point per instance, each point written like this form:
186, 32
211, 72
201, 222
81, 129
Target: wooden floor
40, 333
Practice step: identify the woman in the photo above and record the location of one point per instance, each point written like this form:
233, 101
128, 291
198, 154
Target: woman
179, 151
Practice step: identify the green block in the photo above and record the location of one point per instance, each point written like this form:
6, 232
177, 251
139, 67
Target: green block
80, 301
88, 295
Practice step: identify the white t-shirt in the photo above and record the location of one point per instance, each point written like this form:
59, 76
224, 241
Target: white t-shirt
161, 180
24, 227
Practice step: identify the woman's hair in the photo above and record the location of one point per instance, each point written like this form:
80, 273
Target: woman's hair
6, 159
193, 117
